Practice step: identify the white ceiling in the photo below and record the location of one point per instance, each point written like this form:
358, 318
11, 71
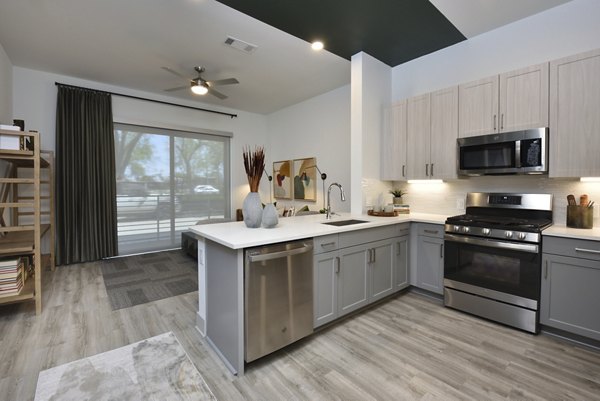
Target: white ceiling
474, 17
125, 43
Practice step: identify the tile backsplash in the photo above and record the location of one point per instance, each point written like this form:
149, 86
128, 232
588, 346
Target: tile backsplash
448, 197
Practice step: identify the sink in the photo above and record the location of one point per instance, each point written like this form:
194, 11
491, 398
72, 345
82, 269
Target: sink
340, 223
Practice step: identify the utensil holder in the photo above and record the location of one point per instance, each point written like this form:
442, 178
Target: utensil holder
580, 216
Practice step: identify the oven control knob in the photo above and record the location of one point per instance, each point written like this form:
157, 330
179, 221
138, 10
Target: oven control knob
465, 230
522, 235
508, 234
486, 231
456, 228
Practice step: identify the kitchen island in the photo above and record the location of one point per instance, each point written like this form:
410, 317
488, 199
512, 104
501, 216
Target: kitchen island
221, 269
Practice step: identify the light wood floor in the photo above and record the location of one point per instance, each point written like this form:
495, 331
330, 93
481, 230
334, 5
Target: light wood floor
408, 348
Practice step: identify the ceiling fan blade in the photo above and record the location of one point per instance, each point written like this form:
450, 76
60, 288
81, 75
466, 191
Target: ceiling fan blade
216, 93
176, 89
227, 81
175, 73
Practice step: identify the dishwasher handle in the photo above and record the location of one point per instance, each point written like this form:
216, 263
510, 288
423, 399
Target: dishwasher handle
280, 254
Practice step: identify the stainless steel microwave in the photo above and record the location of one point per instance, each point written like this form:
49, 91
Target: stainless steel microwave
518, 152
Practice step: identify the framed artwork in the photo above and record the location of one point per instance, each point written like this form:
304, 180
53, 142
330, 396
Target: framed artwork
282, 179
305, 179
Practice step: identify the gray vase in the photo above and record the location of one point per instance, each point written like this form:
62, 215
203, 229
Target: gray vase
269, 216
252, 210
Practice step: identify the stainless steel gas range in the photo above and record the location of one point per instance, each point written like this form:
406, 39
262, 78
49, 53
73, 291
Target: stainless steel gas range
493, 257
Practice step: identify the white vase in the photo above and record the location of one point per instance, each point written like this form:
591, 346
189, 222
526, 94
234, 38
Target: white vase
252, 210
269, 216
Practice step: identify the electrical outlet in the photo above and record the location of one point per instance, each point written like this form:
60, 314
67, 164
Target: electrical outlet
460, 203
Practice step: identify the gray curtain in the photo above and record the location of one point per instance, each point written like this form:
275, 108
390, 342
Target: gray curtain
86, 209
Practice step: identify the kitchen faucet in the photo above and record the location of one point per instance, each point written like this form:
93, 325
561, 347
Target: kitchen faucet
342, 194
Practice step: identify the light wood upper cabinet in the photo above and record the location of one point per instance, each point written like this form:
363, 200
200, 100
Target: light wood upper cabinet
444, 132
512, 101
478, 107
432, 130
393, 145
575, 116
418, 137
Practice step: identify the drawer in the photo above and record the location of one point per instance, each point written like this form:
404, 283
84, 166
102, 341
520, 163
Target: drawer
364, 236
431, 230
401, 229
326, 243
578, 248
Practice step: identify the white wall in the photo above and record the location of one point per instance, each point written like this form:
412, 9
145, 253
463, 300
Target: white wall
564, 30
34, 101
6, 85
370, 94
561, 31
318, 127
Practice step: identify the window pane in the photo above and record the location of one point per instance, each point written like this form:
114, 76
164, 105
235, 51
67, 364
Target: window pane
166, 182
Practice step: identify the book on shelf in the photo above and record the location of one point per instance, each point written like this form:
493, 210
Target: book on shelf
9, 262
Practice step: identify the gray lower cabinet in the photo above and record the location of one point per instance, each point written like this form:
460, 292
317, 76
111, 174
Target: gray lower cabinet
571, 286
364, 269
325, 286
401, 261
430, 258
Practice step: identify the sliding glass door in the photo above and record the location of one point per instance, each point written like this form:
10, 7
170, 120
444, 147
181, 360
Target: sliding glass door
167, 181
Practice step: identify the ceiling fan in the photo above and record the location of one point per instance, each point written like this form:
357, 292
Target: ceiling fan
199, 85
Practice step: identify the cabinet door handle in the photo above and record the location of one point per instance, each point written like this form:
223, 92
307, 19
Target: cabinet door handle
398, 248
546, 271
502, 121
403, 170
441, 251
427, 170
337, 264
432, 169
587, 250
374, 255
431, 231
325, 244
494, 122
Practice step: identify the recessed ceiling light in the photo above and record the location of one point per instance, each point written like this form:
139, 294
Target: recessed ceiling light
317, 45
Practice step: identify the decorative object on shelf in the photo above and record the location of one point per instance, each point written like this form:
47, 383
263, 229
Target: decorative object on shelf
398, 194
254, 163
305, 179
282, 183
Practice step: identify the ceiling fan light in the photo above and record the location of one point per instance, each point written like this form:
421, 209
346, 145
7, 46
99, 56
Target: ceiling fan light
200, 89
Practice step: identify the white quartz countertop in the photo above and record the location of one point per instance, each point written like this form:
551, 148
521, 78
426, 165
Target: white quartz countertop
577, 233
236, 235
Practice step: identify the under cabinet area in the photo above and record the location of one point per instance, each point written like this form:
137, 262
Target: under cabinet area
571, 286
429, 257
366, 266
511, 101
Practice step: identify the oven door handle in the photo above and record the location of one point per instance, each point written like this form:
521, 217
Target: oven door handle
513, 246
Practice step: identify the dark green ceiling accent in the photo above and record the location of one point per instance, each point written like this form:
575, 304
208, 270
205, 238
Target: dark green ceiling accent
393, 31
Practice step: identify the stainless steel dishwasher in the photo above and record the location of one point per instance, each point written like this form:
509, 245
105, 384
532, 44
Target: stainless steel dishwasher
278, 296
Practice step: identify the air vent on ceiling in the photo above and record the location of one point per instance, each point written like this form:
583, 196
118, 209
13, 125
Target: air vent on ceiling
240, 44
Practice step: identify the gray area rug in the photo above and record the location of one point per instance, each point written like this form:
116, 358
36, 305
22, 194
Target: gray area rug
134, 280
153, 369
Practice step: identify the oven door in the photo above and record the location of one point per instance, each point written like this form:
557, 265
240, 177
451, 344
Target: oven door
505, 271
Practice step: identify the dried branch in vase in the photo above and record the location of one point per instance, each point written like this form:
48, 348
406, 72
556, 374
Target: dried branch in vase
254, 163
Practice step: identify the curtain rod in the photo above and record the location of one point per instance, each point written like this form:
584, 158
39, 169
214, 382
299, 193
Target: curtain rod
149, 100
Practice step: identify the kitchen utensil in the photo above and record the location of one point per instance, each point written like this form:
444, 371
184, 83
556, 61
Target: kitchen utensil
583, 200
591, 204
571, 200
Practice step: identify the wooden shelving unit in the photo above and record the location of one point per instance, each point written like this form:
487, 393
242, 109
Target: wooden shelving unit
28, 174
